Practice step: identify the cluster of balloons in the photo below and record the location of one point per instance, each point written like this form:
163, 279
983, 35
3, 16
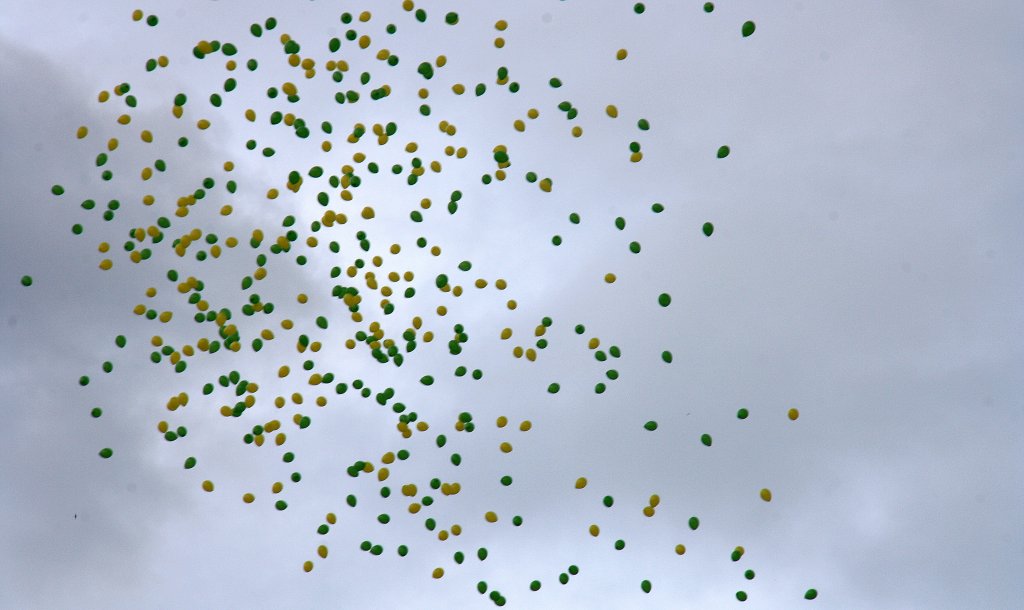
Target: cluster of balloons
371, 290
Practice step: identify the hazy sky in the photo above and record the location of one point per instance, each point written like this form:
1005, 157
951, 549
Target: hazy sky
865, 268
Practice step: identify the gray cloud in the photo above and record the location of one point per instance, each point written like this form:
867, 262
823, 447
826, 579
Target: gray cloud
864, 268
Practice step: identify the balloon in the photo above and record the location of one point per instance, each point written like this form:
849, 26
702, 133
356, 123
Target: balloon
748, 28
708, 229
766, 495
793, 414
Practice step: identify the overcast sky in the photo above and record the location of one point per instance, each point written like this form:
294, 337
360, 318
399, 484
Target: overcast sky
865, 268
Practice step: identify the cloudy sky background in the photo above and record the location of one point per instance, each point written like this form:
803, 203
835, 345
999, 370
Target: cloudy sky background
865, 268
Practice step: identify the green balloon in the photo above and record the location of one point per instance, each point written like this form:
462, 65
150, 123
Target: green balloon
535, 585
666, 356
664, 299
708, 229
646, 586
748, 28
620, 544
723, 152
280, 505
553, 388
708, 7
106, 452
96, 412
651, 425
741, 595
706, 439
742, 414
26, 280
694, 523
608, 501
749, 575
811, 594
